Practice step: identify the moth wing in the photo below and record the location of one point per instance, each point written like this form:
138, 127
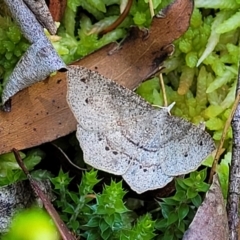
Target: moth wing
100, 154
99, 103
186, 148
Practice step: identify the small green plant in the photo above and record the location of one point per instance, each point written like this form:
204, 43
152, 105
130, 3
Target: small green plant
222, 171
76, 41
12, 47
178, 211
10, 172
99, 216
105, 215
74, 204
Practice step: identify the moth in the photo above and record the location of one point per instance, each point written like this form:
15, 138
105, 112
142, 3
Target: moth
120, 133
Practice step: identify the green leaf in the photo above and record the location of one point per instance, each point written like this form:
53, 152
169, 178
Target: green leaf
212, 111
110, 201
161, 224
33, 158
75, 225
193, 175
168, 235
147, 89
9, 157
109, 219
98, 4
103, 225
41, 174
106, 234
69, 208
144, 228
93, 222
61, 181
101, 210
180, 186
197, 201
16, 175
214, 124
202, 174
202, 187
7, 164
74, 197
118, 221
172, 218
170, 201
183, 211
93, 235
182, 226
89, 180
180, 196
208, 161
218, 83
188, 182
139, 18
191, 193
157, 98
223, 173
166, 209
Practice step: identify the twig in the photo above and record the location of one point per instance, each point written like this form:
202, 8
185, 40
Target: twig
234, 179
119, 20
163, 90
151, 8
67, 158
224, 133
62, 228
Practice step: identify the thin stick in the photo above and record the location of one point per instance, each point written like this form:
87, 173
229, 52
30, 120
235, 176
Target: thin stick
224, 133
165, 103
62, 228
67, 158
151, 8
234, 178
119, 20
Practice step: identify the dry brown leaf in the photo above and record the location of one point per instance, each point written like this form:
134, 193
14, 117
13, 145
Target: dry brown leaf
41, 114
57, 7
210, 221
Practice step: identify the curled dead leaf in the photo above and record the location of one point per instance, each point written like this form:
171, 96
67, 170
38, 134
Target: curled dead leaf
41, 59
35, 65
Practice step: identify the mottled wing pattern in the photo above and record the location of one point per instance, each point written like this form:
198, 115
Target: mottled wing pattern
100, 153
187, 147
120, 133
99, 103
